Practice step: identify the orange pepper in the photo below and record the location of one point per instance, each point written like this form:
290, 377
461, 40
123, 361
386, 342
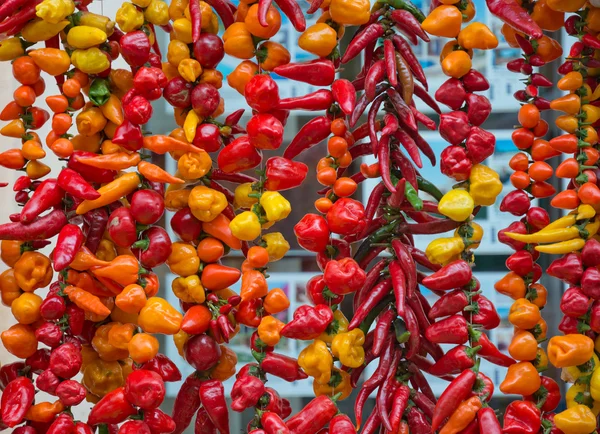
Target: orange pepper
44, 412
570, 104
212, 76
522, 379
122, 79
11, 251
86, 301
276, 301
108, 147
26, 308
456, 64
90, 121
524, 314
549, 49
15, 129
86, 282
120, 334
117, 315
111, 192
464, 414
541, 294
116, 161
143, 347
112, 110
52, 61
37, 170
20, 340
33, 270
124, 270
477, 35
254, 285
225, 368
162, 144
512, 285
210, 250
158, 316
523, 346
268, 330
216, 276
183, 259
150, 283
12, 159
444, 21
9, 290
219, 229
237, 41
589, 193
570, 350
566, 199
177, 199
103, 347
242, 75
258, 257
85, 259
154, 173
32, 150
87, 143
101, 377
132, 299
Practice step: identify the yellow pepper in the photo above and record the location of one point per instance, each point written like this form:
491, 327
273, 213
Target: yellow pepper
177, 8
268, 330
111, 192
182, 28
456, 64
55, 11
546, 236
39, 30
562, 247
350, 12
90, 121
95, 20
179, 339
316, 361
338, 383
595, 385
241, 198
157, 13
573, 373
237, 41
337, 326
348, 347
477, 35
576, 420
32, 271
567, 123
444, 21
189, 69
91, 61
194, 165
158, 316
245, 226
129, 18
176, 52
101, 377
570, 350
105, 350
189, 289
474, 236
570, 81
26, 308
276, 245
205, 203
275, 205
176, 197
190, 125
319, 39
484, 185
592, 113
36, 170
85, 37
570, 104
183, 259
443, 250
457, 204
10, 49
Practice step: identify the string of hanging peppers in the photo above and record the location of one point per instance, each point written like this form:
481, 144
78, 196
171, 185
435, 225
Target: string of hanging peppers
105, 207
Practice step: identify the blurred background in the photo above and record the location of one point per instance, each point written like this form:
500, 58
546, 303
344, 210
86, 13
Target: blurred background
292, 273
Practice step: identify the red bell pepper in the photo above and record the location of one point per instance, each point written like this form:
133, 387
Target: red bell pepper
17, 397
522, 417
516, 202
246, 392
344, 276
312, 232
135, 48
308, 322
150, 82
262, 93
239, 156
145, 389
284, 174
454, 127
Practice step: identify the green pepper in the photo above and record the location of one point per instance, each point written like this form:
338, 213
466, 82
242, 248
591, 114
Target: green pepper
99, 91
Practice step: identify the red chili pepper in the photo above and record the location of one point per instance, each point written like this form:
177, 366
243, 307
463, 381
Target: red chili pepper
449, 304
515, 16
346, 217
163, 366
74, 184
203, 424
454, 275
485, 313
284, 174
457, 391
150, 82
281, 366
273, 424
83, 428
341, 424
569, 268
451, 330
187, 402
344, 94
405, 114
262, 93
22, 183
455, 361
308, 322
399, 284
369, 34
16, 22
76, 318
70, 240
154, 248
406, 52
112, 408
374, 76
224, 11
212, 397
516, 202
63, 424
316, 101
145, 389
382, 331
407, 23
376, 295
136, 427
45, 196
316, 291
311, 134
17, 397
426, 98
522, 417
239, 156
489, 351
129, 136
96, 220
41, 229
158, 421
417, 422
314, 416
318, 72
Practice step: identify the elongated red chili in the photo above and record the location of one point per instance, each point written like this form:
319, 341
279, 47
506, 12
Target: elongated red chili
70, 240
406, 22
41, 229
405, 114
315, 101
374, 76
292, 10
399, 284
456, 392
456, 274
17, 397
411, 59
382, 330
449, 304
312, 133
45, 196
371, 33
319, 72
513, 14
375, 296
212, 397
187, 402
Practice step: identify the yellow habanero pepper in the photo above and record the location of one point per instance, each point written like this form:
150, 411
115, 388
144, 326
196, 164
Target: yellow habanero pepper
576, 420
10, 49
85, 37
90, 121
595, 385
189, 289
176, 52
91, 61
484, 185
443, 250
275, 205
190, 125
316, 361
101, 377
319, 39
157, 13
95, 20
183, 259
457, 204
570, 350
573, 373
26, 308
241, 198
474, 237
350, 12
337, 326
567, 123
524, 314
237, 41
54, 11
276, 245
32, 271
444, 21
189, 69
129, 18
477, 35
582, 394
194, 165
205, 203
268, 330
245, 226
103, 347
348, 347
338, 383
158, 316
39, 30
110, 192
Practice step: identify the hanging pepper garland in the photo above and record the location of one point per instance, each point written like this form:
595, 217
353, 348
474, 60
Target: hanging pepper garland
105, 206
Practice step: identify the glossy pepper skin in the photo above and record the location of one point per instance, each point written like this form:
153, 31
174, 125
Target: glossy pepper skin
212, 397
521, 417
308, 322
284, 174
112, 408
246, 392
17, 398
314, 416
312, 232
344, 276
